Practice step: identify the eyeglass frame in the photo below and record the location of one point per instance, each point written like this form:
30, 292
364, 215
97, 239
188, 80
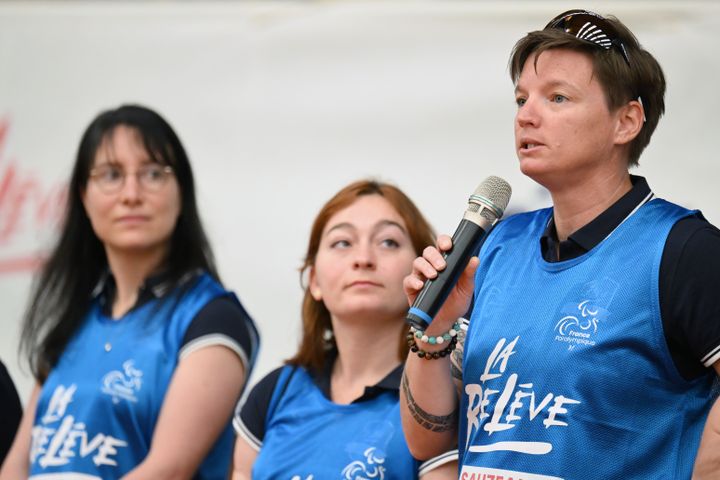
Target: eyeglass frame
166, 170
599, 22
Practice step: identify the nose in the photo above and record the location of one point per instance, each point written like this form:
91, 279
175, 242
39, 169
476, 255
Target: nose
527, 114
364, 257
130, 193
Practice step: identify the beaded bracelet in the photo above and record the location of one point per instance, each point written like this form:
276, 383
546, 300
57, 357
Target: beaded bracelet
436, 340
430, 355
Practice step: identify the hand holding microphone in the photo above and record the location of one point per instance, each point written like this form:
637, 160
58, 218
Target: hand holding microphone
485, 206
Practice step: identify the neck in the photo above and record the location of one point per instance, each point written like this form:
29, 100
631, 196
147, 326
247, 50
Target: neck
130, 269
579, 203
367, 352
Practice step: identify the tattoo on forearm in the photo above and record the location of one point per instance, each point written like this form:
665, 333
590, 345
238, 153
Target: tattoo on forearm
455, 371
434, 423
456, 357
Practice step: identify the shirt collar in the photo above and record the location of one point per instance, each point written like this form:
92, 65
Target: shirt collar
587, 237
321, 378
155, 286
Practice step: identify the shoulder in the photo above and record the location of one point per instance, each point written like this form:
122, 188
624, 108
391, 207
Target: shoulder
222, 320
693, 229
264, 388
693, 243
251, 415
688, 279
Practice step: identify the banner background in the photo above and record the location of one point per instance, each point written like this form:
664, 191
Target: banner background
280, 104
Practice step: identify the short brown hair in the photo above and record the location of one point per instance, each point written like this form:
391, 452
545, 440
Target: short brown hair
621, 81
315, 344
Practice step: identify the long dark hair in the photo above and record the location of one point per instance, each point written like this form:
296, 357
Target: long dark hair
315, 315
63, 288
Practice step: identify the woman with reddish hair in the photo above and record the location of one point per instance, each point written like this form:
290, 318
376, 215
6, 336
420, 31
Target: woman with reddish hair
333, 410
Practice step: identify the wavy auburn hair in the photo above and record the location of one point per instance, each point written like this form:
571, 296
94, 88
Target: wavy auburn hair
315, 341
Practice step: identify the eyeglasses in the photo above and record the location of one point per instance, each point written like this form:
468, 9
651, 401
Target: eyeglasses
589, 27
111, 178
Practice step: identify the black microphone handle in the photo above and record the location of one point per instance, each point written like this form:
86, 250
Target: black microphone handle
432, 296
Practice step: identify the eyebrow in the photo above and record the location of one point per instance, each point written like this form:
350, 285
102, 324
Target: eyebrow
550, 85
116, 163
378, 226
560, 83
113, 161
105, 154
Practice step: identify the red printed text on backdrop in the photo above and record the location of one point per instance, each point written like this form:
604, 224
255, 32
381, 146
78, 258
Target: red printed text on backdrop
30, 211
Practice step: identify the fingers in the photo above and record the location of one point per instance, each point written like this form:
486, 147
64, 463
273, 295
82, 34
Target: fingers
412, 285
421, 271
426, 267
430, 263
466, 282
444, 242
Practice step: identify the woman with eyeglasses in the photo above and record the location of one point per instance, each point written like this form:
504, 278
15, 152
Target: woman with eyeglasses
138, 351
333, 411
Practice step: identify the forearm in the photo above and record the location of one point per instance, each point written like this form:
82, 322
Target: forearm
429, 406
242, 461
428, 395
196, 409
152, 470
14, 467
238, 475
707, 463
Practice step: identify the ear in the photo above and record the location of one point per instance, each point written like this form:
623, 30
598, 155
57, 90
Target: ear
313, 286
630, 120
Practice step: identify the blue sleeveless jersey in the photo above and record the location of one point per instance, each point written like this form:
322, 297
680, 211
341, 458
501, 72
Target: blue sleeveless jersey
566, 371
308, 437
98, 407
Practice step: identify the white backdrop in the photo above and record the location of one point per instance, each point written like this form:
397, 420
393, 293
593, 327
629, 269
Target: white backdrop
280, 104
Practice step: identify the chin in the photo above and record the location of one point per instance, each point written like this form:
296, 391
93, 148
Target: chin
374, 311
537, 171
136, 245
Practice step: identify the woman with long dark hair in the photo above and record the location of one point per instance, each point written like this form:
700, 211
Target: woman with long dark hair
333, 410
138, 351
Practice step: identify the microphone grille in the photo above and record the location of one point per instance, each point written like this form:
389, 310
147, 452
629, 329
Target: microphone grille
494, 194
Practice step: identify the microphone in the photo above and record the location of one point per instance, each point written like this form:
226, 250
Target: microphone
485, 206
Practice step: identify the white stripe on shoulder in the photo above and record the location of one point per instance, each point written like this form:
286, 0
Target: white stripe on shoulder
435, 462
212, 340
712, 357
645, 200
242, 431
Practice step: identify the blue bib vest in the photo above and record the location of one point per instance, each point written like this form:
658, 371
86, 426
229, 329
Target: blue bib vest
98, 408
566, 371
308, 437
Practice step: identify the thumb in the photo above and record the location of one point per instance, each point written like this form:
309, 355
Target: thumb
466, 282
